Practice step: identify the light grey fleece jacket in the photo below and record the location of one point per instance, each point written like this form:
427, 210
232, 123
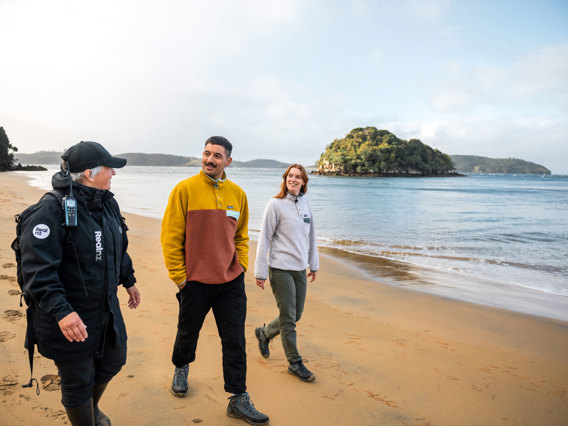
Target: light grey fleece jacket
287, 237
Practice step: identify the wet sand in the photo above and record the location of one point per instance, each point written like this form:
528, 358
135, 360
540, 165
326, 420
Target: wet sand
381, 354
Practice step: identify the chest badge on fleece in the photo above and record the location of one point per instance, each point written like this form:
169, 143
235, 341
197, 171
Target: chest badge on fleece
233, 214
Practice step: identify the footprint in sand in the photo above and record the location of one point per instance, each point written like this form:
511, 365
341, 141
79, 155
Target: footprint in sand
51, 413
14, 292
8, 385
8, 265
6, 335
12, 315
8, 278
381, 398
51, 382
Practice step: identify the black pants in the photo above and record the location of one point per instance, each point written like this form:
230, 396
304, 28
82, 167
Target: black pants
229, 304
79, 377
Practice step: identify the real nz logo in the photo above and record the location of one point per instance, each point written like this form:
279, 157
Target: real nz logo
98, 246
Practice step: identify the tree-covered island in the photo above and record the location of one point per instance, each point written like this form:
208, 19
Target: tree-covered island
371, 152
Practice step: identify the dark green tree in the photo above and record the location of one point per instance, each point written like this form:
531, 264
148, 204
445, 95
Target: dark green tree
6, 157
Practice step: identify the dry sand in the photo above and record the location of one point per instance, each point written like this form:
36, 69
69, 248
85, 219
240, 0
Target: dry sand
381, 354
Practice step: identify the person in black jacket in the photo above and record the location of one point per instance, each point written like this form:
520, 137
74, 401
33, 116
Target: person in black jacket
72, 275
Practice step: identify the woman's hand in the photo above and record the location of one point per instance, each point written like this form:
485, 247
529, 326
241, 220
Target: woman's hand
73, 327
313, 275
260, 283
134, 299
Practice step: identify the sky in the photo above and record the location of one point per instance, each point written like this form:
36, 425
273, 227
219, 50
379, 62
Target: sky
283, 79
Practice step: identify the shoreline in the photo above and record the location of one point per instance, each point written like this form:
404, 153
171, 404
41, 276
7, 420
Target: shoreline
454, 284
382, 354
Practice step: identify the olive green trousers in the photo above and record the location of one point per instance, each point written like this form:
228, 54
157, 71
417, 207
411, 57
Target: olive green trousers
289, 289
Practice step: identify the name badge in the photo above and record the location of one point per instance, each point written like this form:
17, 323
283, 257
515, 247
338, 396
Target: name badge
307, 220
235, 215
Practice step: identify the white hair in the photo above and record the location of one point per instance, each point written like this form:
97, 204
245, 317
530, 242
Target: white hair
79, 176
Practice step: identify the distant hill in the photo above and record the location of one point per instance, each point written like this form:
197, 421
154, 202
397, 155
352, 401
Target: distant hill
143, 159
476, 164
261, 163
41, 157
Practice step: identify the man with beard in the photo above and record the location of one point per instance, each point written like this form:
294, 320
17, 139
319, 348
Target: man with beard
205, 244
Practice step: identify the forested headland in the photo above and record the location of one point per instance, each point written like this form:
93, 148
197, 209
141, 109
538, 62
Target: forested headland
371, 152
477, 164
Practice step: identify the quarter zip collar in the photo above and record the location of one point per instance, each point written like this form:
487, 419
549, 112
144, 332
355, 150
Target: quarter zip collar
293, 197
215, 183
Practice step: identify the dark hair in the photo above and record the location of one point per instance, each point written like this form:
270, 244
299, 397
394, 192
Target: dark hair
220, 140
284, 190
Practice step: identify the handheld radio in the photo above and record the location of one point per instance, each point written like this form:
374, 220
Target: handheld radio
69, 204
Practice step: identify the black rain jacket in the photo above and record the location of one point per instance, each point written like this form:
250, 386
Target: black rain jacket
76, 269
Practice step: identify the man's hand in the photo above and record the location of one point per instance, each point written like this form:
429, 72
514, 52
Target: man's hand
134, 299
73, 327
313, 275
260, 283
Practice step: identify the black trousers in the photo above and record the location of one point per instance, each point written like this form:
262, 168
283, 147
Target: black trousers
229, 304
79, 377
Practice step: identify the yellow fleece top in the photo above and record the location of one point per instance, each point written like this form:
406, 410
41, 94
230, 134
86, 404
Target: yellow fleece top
205, 231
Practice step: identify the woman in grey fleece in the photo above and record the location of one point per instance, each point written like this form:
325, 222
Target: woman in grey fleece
286, 247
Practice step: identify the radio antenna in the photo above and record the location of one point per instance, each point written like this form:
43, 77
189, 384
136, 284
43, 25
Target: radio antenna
70, 179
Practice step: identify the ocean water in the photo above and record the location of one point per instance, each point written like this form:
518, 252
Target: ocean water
499, 240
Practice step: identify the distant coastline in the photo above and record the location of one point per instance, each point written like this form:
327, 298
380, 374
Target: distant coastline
463, 164
152, 160
477, 164
393, 174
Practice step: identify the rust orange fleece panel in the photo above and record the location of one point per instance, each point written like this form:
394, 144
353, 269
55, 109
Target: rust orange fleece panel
205, 231
210, 255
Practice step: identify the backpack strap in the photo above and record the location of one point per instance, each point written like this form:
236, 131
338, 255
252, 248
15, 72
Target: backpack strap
30, 311
30, 345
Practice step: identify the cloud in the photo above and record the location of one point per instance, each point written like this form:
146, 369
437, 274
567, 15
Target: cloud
429, 9
540, 73
543, 71
537, 139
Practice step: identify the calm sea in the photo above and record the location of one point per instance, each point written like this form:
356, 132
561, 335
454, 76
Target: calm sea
499, 240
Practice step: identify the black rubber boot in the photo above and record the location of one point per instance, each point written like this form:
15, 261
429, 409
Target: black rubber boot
101, 419
82, 415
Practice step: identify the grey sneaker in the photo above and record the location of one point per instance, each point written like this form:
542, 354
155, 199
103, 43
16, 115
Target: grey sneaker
263, 342
179, 384
241, 407
299, 370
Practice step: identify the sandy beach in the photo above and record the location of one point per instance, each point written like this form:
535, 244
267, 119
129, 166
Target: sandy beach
381, 354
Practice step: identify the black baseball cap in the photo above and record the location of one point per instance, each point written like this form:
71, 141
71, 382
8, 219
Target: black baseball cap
88, 155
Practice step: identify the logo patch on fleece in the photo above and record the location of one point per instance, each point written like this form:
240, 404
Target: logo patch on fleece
233, 214
41, 231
